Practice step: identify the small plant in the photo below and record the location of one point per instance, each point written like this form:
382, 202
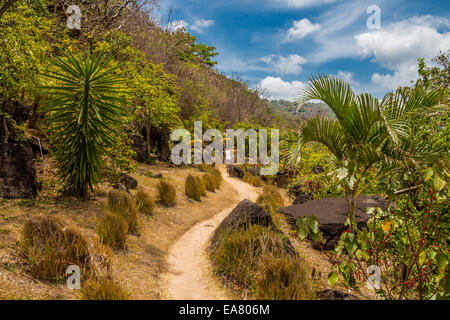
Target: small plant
218, 177
122, 203
167, 194
209, 182
144, 201
103, 289
270, 200
49, 248
284, 278
193, 188
202, 185
112, 230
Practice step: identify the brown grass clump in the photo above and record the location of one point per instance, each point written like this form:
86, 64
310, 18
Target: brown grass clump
123, 204
251, 179
210, 182
270, 200
144, 202
112, 230
103, 289
193, 188
48, 248
255, 259
167, 194
284, 278
202, 185
218, 177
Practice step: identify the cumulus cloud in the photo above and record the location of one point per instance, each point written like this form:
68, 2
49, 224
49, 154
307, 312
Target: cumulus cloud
301, 3
347, 76
176, 25
277, 89
201, 24
398, 46
285, 65
300, 29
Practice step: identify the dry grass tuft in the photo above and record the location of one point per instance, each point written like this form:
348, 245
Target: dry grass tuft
210, 183
144, 202
167, 194
251, 179
193, 188
270, 200
103, 289
122, 203
112, 230
48, 248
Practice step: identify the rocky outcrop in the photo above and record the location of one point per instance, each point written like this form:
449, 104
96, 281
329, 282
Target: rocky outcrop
235, 171
332, 214
128, 181
17, 172
302, 198
246, 213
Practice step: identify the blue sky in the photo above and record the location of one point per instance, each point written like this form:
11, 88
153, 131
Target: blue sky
279, 44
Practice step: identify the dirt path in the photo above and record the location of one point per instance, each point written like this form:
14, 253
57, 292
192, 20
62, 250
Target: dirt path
189, 276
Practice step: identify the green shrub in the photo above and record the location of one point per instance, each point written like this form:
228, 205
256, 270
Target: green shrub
270, 200
210, 183
144, 201
112, 230
103, 289
167, 194
122, 203
193, 188
48, 248
284, 278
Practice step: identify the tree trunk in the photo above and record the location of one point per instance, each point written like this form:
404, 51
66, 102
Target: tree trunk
147, 138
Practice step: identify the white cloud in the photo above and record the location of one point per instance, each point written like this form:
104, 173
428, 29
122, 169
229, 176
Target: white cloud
176, 25
285, 65
398, 46
201, 24
277, 89
300, 29
347, 76
301, 3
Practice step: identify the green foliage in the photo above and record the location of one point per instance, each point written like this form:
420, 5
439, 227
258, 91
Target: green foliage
193, 188
49, 248
112, 230
83, 112
167, 193
144, 201
122, 204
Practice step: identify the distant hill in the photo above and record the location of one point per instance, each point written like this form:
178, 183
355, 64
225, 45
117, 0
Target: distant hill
308, 110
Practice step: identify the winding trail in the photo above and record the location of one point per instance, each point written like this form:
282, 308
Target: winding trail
189, 276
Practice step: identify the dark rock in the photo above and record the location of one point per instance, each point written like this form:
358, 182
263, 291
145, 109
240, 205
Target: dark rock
128, 181
332, 214
330, 294
17, 111
37, 145
245, 213
253, 171
302, 198
139, 147
235, 171
120, 186
156, 176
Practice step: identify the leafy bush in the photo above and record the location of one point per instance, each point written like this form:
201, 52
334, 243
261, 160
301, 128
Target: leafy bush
112, 230
270, 200
49, 247
256, 260
144, 201
193, 188
122, 203
103, 289
284, 278
210, 183
167, 194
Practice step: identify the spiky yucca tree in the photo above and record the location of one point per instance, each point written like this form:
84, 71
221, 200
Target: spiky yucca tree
83, 111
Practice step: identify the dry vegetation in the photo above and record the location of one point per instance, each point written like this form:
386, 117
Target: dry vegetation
135, 270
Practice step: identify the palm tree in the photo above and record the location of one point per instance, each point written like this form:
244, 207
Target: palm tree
83, 113
367, 131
